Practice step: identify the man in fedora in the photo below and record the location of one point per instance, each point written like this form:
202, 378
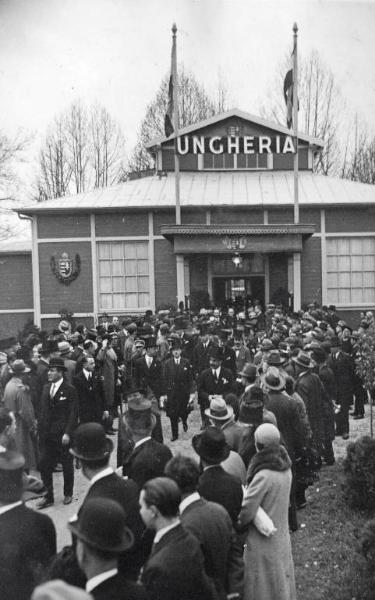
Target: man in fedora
102, 536
178, 388
28, 539
147, 458
215, 484
17, 399
175, 568
65, 350
59, 418
214, 381
221, 417
343, 369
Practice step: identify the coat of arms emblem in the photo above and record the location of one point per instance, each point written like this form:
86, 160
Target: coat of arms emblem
66, 269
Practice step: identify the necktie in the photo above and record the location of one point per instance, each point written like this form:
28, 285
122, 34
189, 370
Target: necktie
52, 390
177, 363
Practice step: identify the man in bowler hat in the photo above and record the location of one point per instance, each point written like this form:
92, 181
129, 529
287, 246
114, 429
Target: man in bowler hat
102, 535
59, 417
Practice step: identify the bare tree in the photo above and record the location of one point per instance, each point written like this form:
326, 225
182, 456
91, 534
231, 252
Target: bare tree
194, 105
84, 149
321, 108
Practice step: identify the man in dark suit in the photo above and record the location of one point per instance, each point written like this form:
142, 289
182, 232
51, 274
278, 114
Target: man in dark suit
201, 353
28, 539
210, 523
147, 457
148, 369
91, 399
215, 381
93, 450
102, 536
59, 417
175, 568
343, 369
178, 387
215, 484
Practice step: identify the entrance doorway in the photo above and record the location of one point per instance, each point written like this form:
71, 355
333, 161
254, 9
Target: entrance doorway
231, 289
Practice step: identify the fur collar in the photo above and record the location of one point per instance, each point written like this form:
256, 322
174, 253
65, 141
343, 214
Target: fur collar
274, 457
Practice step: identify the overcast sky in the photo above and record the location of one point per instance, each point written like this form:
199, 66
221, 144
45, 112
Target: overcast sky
117, 51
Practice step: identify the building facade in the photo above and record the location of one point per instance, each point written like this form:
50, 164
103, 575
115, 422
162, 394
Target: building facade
119, 250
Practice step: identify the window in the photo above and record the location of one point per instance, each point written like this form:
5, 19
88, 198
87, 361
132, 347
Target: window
351, 270
235, 161
123, 275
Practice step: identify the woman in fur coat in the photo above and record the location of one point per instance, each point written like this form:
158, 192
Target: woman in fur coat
269, 569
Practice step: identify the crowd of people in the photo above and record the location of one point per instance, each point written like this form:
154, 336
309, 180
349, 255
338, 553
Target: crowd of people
273, 388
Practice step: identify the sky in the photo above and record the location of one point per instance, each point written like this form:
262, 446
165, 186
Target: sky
116, 52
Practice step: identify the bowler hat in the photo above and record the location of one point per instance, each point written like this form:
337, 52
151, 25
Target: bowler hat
101, 524
217, 352
273, 379
57, 363
274, 359
19, 367
176, 342
211, 446
303, 360
266, 345
249, 371
139, 416
219, 409
90, 443
50, 346
150, 341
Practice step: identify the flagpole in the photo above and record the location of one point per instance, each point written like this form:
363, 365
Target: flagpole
175, 124
295, 123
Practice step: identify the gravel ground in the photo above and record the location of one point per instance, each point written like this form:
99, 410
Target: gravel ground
60, 513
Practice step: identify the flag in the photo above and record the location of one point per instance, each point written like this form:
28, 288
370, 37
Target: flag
168, 119
288, 91
169, 115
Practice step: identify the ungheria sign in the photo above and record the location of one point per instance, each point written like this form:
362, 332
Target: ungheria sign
247, 144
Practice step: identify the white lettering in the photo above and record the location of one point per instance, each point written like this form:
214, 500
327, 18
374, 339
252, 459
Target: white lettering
233, 145
277, 144
186, 147
288, 145
219, 149
248, 146
264, 144
198, 144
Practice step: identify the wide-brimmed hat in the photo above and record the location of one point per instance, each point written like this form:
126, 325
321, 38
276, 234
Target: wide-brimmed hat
18, 367
273, 379
219, 409
248, 370
57, 363
274, 359
303, 360
101, 524
64, 326
90, 443
211, 446
139, 416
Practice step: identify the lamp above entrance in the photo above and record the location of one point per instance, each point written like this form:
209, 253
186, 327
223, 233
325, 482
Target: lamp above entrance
237, 260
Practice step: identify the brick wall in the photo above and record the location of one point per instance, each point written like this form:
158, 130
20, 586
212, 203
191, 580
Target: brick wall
233, 216
283, 215
163, 217
117, 224
54, 295
12, 324
165, 274
359, 219
311, 271
278, 269
56, 226
16, 287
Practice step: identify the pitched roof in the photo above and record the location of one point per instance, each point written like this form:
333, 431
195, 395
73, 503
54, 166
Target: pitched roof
235, 112
213, 188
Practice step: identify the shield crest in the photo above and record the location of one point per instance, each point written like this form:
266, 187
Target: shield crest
66, 269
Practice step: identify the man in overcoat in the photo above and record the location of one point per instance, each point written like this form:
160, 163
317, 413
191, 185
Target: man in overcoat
148, 369
59, 418
178, 388
214, 381
91, 399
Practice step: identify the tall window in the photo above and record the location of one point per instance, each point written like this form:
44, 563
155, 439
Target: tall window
351, 270
123, 275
